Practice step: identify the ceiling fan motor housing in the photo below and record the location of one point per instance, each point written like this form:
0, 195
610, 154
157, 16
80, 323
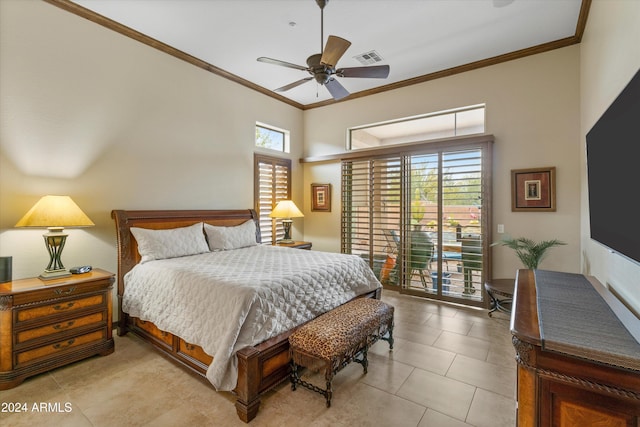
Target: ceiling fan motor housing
321, 72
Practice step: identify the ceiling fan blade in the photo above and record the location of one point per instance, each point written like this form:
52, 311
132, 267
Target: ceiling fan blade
336, 90
334, 49
281, 63
373, 72
292, 85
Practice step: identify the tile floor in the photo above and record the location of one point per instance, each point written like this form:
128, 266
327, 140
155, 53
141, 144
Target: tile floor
451, 366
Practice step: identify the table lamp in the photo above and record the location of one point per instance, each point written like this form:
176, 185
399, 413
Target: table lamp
286, 210
55, 213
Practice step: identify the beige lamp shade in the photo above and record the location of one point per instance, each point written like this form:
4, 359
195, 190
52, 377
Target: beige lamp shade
55, 212
286, 209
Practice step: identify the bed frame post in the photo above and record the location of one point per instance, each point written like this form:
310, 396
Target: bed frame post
247, 389
122, 319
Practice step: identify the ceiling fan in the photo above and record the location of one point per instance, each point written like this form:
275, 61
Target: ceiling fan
322, 66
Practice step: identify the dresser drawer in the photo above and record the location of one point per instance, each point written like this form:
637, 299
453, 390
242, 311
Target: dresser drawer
66, 306
53, 349
60, 326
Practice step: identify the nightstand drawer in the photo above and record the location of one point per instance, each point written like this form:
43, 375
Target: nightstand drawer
61, 326
66, 306
58, 347
48, 292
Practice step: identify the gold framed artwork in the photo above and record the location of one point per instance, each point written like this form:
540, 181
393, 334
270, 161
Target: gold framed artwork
533, 190
321, 197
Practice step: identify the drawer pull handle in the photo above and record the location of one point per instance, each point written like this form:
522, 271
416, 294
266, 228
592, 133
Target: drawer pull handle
67, 292
64, 307
61, 326
64, 345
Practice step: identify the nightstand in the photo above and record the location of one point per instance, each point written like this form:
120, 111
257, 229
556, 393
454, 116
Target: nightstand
296, 244
45, 325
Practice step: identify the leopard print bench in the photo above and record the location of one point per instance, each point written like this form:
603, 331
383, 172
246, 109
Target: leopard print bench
336, 338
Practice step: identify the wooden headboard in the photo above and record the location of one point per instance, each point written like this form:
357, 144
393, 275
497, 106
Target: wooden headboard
128, 255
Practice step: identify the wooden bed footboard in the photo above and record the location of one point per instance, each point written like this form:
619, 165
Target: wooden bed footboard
260, 367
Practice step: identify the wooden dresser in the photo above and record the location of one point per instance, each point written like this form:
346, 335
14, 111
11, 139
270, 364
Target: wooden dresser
580, 384
47, 324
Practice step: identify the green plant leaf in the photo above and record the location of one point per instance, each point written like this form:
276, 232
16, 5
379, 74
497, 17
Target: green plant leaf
528, 251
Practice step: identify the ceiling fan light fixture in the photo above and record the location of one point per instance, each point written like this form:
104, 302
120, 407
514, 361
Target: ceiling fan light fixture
322, 77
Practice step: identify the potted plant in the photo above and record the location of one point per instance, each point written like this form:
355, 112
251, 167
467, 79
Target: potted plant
529, 252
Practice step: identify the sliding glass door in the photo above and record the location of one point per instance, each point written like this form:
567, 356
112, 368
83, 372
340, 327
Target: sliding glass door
420, 220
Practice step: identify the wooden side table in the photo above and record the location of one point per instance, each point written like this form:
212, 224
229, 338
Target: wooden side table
296, 244
45, 325
500, 293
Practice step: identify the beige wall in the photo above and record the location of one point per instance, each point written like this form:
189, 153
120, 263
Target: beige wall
115, 124
609, 57
532, 109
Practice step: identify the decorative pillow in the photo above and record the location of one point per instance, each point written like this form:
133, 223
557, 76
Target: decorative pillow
170, 243
234, 237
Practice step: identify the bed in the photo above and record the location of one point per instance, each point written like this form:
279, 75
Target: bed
257, 367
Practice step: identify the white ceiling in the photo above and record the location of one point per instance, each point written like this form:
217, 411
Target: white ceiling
414, 37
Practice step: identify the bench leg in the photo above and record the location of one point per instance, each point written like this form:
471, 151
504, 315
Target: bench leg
328, 392
364, 361
293, 376
389, 339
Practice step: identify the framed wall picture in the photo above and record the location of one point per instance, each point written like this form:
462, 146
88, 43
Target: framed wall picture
533, 190
321, 197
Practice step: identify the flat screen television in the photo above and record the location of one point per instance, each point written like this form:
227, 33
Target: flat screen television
613, 165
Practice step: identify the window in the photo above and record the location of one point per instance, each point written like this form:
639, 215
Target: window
442, 124
419, 218
272, 138
272, 183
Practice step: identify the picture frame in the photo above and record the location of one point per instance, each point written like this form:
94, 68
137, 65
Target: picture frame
321, 197
533, 190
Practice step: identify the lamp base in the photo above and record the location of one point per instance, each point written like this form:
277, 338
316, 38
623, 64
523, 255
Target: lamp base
53, 274
54, 240
286, 225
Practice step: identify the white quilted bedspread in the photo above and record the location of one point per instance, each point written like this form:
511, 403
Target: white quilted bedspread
224, 301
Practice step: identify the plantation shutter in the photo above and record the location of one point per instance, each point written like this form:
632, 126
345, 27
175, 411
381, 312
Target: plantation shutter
272, 184
371, 208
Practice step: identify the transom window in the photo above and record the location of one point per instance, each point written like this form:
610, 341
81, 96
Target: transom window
272, 138
442, 124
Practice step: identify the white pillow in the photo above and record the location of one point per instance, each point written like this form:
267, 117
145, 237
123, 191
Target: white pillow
234, 237
170, 243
